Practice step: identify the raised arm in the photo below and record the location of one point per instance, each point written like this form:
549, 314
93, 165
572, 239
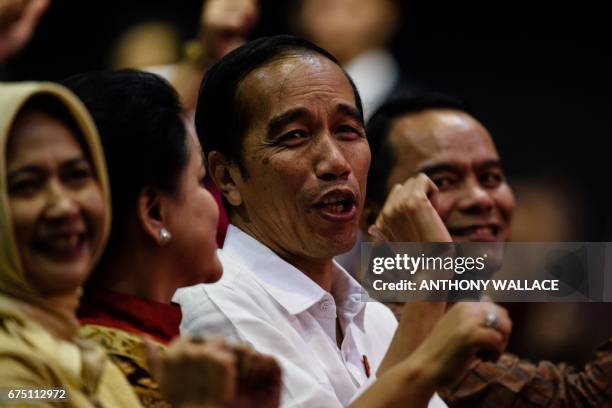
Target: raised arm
453, 345
409, 215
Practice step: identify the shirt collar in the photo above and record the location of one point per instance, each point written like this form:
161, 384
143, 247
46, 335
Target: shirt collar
285, 283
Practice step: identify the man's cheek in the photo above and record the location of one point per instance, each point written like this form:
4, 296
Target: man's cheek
444, 205
504, 199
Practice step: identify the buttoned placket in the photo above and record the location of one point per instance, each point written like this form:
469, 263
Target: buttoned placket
327, 316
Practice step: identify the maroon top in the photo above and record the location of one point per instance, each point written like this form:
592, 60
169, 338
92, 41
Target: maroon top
132, 314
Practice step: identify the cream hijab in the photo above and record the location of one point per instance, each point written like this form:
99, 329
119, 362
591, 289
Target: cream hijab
13, 96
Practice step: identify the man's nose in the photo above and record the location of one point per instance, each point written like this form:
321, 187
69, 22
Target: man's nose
331, 163
475, 198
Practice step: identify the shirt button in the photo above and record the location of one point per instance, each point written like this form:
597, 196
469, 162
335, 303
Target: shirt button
324, 305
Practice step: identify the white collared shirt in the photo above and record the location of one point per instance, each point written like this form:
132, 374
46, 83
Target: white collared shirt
266, 302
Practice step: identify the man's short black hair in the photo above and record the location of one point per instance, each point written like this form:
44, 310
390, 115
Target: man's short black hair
139, 118
378, 129
220, 119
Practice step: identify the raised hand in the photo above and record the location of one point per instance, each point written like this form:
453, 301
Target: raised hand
259, 379
194, 373
469, 330
18, 20
409, 214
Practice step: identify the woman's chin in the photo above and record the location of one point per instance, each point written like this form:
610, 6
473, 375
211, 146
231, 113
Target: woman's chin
57, 278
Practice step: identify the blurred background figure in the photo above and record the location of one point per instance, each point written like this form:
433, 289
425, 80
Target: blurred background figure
557, 209
18, 20
548, 201
147, 44
223, 26
358, 33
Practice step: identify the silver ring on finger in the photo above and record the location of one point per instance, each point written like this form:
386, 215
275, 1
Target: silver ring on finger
491, 320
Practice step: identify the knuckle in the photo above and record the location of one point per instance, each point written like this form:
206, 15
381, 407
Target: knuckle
465, 308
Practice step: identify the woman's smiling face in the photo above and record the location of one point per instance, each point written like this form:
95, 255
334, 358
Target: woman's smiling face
56, 203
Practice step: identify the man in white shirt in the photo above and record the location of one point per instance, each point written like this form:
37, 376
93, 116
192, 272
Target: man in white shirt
282, 127
267, 302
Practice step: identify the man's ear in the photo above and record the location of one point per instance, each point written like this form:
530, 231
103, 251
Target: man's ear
226, 176
150, 213
368, 216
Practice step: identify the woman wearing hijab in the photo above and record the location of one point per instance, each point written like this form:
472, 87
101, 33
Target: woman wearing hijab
54, 217
163, 234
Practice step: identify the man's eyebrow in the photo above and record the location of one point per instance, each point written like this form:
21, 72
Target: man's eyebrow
279, 121
490, 163
351, 111
452, 168
438, 168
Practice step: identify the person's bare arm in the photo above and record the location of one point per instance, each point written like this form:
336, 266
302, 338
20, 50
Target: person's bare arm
18, 21
417, 321
409, 215
452, 346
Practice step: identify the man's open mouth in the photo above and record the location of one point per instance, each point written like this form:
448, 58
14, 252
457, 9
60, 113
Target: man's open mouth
338, 205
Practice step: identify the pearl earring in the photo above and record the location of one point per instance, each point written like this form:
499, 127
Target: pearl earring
164, 235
